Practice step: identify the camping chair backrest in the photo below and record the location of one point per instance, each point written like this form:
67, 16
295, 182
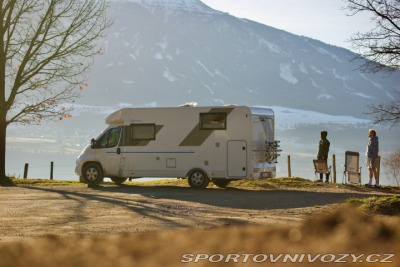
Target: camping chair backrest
352, 167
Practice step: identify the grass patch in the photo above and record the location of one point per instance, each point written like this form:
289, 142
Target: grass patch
266, 183
261, 183
42, 182
48, 182
387, 205
295, 182
285, 182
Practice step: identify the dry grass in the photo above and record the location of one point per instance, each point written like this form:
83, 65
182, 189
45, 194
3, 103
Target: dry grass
270, 183
42, 182
344, 231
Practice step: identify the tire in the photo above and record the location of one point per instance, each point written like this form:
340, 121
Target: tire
222, 183
92, 173
198, 179
119, 180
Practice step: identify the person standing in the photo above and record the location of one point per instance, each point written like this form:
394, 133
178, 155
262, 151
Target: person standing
371, 157
323, 150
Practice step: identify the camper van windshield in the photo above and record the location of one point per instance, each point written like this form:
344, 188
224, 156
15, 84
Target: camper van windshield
110, 138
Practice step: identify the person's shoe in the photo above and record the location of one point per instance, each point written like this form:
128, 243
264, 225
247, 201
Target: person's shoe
369, 184
326, 181
377, 185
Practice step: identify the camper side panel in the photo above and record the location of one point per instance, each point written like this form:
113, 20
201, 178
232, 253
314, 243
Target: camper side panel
212, 139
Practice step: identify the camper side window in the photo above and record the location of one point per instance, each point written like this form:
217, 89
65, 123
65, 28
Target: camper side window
213, 121
143, 131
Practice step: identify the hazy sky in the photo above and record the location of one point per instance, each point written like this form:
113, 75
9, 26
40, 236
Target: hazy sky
324, 20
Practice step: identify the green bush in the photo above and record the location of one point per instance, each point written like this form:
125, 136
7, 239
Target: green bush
387, 205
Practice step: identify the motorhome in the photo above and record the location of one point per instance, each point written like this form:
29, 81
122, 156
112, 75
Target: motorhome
202, 144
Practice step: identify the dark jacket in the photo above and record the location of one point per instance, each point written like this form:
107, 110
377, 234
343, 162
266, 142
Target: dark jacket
323, 148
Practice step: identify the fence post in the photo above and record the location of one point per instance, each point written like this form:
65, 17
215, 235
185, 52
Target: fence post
26, 170
334, 167
289, 168
379, 167
51, 170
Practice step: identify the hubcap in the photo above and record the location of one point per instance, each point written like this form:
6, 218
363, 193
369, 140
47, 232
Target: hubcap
92, 174
197, 179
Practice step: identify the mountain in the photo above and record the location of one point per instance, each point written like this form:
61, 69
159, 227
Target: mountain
169, 52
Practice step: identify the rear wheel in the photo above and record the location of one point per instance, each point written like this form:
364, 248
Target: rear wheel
119, 180
222, 183
198, 179
92, 173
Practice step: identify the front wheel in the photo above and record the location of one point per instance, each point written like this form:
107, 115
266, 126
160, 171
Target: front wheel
92, 173
198, 179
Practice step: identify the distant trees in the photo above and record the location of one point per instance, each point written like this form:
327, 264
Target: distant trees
46, 47
381, 46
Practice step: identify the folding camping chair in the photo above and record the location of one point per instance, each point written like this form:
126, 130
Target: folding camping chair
321, 166
352, 169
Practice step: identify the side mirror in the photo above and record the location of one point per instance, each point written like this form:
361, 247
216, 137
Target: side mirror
93, 143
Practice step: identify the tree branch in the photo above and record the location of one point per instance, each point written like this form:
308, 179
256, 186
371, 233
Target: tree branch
47, 48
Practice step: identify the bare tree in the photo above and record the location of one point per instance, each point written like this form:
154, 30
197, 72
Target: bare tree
46, 47
392, 165
385, 113
381, 47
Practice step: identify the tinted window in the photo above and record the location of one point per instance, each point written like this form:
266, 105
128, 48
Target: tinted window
143, 132
213, 121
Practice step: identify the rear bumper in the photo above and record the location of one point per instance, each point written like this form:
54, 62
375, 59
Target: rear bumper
264, 172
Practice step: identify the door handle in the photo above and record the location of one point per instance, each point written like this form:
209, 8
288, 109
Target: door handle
118, 151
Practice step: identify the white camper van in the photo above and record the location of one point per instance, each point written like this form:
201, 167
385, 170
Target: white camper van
220, 144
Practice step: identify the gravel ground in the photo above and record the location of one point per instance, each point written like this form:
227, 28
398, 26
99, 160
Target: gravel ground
155, 225
33, 211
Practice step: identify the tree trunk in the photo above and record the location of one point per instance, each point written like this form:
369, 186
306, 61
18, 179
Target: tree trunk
4, 180
3, 133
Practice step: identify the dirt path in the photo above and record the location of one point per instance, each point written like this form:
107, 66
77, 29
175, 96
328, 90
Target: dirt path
33, 211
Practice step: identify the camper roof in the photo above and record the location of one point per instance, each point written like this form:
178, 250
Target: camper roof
262, 111
117, 117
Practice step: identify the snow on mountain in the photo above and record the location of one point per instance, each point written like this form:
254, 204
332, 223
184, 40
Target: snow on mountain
289, 118
170, 7
176, 51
